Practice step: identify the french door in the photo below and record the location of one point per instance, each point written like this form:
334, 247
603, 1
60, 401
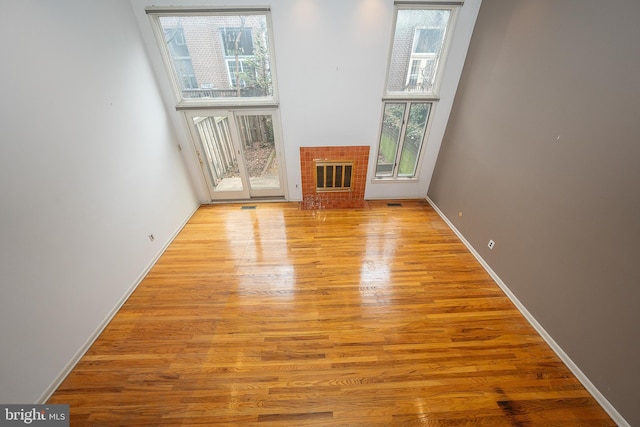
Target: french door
239, 152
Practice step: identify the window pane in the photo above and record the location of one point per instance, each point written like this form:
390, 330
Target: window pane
219, 153
389, 138
417, 48
428, 40
416, 125
219, 56
259, 150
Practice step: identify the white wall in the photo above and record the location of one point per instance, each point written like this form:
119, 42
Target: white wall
89, 168
331, 59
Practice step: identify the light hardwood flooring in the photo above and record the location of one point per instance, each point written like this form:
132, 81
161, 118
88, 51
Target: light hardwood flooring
281, 316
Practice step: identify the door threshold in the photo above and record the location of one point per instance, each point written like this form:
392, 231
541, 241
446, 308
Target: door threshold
265, 199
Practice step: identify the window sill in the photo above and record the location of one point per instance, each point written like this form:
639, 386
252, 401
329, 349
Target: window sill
392, 180
410, 98
234, 103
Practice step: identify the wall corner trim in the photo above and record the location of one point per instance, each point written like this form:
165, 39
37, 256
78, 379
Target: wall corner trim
591, 388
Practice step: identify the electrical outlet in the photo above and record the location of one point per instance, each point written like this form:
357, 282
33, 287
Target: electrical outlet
491, 244
460, 214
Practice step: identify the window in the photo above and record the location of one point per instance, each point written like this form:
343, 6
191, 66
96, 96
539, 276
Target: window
417, 52
242, 71
401, 136
219, 63
420, 38
237, 41
238, 50
215, 55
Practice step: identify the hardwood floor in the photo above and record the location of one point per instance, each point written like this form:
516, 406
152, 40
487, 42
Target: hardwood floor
280, 316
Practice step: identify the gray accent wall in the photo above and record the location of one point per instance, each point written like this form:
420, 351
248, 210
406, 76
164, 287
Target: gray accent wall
542, 155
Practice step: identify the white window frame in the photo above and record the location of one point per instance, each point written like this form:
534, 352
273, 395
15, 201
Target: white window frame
454, 7
416, 96
155, 13
222, 106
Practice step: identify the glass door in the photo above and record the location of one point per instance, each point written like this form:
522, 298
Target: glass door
238, 153
215, 141
259, 137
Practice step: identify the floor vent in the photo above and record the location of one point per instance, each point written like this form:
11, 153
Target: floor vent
394, 204
248, 207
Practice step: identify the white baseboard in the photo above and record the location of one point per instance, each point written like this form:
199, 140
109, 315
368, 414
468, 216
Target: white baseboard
94, 336
599, 397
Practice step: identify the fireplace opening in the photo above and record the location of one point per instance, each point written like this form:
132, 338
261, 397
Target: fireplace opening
333, 175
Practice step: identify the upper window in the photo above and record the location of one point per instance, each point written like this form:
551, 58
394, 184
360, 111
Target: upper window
217, 54
415, 67
418, 47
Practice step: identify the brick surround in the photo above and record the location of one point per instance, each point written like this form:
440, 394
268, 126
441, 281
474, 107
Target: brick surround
353, 199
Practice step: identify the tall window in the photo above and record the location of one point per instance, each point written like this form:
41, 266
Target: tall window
403, 128
418, 47
217, 54
420, 38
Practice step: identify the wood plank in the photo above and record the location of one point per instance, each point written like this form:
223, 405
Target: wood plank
361, 317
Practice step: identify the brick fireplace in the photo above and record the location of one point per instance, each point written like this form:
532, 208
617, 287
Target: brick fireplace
339, 198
